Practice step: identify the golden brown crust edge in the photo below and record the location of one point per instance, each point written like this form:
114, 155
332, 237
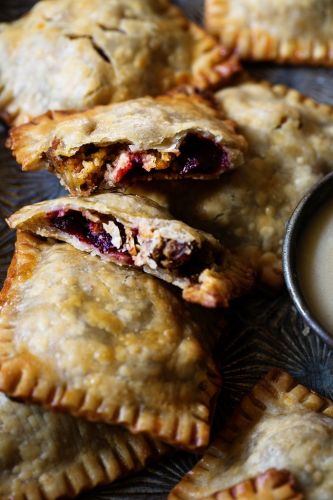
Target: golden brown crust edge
273, 484
25, 377
93, 470
18, 136
260, 45
214, 66
276, 385
217, 288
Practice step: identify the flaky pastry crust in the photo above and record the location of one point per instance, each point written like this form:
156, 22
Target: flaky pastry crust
139, 139
134, 231
280, 424
49, 455
290, 139
297, 32
107, 343
91, 52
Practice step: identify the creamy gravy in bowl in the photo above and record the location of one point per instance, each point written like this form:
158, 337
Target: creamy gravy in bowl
315, 265
308, 258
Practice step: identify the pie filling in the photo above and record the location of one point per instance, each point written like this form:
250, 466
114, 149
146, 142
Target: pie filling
127, 245
116, 164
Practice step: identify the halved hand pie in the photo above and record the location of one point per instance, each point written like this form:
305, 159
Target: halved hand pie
167, 137
290, 149
87, 337
49, 455
90, 52
281, 425
295, 32
134, 231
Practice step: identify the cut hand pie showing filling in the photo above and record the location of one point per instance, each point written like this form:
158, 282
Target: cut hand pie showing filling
93, 339
279, 425
134, 231
50, 455
290, 141
171, 137
99, 52
292, 31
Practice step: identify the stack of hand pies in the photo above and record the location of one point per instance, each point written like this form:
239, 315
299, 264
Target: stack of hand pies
181, 175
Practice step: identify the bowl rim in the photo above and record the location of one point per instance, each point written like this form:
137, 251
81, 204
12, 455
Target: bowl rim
292, 236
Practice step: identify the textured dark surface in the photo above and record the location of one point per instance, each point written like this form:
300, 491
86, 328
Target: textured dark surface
266, 331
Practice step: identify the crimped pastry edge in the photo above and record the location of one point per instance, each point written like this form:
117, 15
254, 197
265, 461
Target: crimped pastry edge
260, 45
278, 483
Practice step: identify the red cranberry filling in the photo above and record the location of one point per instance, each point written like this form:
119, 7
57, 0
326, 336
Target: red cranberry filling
171, 254
74, 223
198, 155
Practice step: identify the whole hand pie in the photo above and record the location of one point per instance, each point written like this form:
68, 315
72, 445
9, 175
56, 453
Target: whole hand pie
288, 31
90, 52
104, 342
50, 455
279, 425
290, 149
134, 231
168, 137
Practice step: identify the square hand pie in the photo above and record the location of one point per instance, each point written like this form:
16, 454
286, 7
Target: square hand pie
104, 342
90, 52
285, 31
281, 425
49, 455
166, 137
134, 231
290, 141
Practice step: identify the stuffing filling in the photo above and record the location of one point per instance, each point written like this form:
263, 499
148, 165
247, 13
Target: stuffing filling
129, 246
92, 166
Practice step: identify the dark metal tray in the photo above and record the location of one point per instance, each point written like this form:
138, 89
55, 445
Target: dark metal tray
266, 330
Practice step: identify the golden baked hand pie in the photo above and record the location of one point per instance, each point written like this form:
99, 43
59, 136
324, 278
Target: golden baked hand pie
134, 231
287, 31
90, 52
166, 137
290, 141
280, 424
49, 455
104, 342
272, 484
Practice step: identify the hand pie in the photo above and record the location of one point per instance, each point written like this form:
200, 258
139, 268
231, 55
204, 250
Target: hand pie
279, 425
90, 52
165, 138
104, 342
294, 32
134, 231
50, 455
290, 149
